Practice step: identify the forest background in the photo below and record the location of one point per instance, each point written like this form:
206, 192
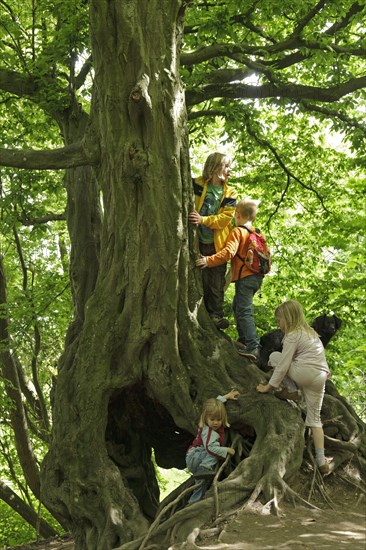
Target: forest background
304, 163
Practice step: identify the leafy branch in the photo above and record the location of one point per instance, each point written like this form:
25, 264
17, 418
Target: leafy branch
332, 114
280, 201
265, 143
290, 91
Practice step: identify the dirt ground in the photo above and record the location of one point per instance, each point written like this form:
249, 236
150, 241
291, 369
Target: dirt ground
339, 522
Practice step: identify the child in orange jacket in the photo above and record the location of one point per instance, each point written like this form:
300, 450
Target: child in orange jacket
246, 282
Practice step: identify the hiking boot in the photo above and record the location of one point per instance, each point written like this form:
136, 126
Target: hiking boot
220, 322
324, 469
285, 395
204, 473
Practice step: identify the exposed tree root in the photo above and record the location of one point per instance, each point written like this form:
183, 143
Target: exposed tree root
234, 444
258, 476
296, 496
190, 543
358, 486
161, 514
215, 489
280, 491
317, 482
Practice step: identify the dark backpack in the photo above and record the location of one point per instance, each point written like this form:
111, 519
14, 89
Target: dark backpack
257, 255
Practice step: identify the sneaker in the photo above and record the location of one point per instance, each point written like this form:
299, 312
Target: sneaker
324, 469
204, 473
252, 354
256, 352
245, 353
220, 322
285, 394
239, 345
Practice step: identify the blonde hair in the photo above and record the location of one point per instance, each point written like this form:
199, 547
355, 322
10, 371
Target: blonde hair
247, 209
215, 409
292, 314
214, 163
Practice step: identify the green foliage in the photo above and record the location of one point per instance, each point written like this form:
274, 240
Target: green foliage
304, 160
13, 529
170, 479
38, 309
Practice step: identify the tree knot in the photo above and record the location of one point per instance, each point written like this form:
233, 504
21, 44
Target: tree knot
136, 95
141, 91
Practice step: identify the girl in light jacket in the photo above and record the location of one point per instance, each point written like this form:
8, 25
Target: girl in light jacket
301, 364
207, 449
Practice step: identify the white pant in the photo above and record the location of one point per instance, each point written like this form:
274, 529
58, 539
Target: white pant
312, 382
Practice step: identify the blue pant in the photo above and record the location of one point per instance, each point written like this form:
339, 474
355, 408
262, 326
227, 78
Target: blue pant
197, 457
244, 310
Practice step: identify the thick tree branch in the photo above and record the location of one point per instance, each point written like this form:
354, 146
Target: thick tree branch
37, 339
356, 50
8, 457
21, 258
311, 107
229, 50
26, 512
66, 157
308, 17
357, 7
15, 83
225, 76
12, 387
27, 458
291, 91
192, 115
228, 75
292, 42
44, 219
250, 68
36, 335
32, 405
83, 73
215, 50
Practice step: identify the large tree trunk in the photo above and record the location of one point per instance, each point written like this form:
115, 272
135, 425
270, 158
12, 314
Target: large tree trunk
127, 364
148, 354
